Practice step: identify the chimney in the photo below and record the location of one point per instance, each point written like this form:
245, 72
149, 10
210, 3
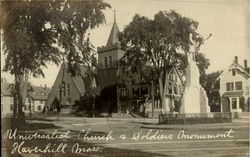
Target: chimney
245, 64
236, 59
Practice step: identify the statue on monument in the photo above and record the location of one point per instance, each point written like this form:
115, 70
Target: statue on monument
192, 48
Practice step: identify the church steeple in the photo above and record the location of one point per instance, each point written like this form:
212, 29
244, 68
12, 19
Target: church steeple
113, 36
114, 16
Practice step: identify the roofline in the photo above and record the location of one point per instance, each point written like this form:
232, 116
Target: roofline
177, 71
227, 69
77, 85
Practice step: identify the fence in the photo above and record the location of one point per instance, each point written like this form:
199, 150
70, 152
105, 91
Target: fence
196, 118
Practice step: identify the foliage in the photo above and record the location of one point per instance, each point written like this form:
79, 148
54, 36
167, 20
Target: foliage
159, 43
36, 32
27, 42
212, 86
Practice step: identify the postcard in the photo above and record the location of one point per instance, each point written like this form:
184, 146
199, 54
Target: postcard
116, 78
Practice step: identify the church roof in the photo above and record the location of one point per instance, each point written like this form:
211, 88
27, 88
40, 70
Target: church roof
113, 36
81, 82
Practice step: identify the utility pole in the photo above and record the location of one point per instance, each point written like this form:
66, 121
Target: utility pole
93, 107
153, 98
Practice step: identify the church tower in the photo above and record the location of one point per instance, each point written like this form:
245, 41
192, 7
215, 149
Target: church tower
108, 58
109, 55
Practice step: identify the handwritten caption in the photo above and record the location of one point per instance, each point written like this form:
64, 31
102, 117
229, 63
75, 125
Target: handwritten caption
59, 140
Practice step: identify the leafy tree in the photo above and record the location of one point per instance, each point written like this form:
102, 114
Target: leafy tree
160, 43
33, 31
212, 85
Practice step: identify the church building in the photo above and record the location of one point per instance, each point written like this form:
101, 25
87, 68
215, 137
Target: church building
112, 97
68, 89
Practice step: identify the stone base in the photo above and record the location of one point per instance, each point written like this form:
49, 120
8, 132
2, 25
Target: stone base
197, 118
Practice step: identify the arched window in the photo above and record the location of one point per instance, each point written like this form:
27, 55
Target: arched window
68, 89
110, 60
175, 89
59, 88
169, 88
180, 89
105, 62
63, 89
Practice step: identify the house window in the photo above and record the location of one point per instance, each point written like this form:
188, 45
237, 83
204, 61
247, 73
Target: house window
39, 108
11, 107
170, 77
233, 72
144, 90
156, 105
136, 91
105, 62
175, 89
41, 101
238, 85
175, 78
110, 60
230, 86
170, 88
234, 103
123, 92
180, 89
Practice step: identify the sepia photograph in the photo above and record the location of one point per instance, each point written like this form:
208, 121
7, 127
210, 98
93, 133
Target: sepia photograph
124, 78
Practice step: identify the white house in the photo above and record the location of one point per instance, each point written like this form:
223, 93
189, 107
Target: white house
35, 99
234, 87
7, 100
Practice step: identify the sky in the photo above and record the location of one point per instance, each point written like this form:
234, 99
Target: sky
226, 20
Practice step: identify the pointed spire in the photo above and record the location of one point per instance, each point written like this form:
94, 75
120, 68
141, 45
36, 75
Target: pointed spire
114, 16
113, 36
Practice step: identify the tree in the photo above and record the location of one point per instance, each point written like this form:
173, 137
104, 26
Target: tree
33, 29
212, 85
161, 43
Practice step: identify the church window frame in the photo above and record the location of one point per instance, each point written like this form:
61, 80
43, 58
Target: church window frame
110, 61
68, 89
105, 62
63, 89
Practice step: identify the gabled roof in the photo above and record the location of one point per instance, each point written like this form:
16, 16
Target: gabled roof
81, 81
168, 71
234, 66
39, 93
113, 36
